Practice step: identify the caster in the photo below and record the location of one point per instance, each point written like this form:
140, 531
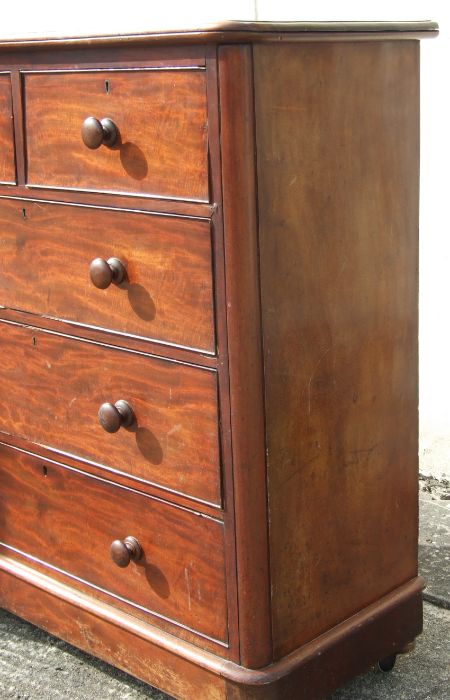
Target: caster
387, 664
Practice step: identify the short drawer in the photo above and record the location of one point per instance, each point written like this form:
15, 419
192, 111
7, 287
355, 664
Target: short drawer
53, 387
7, 160
160, 116
68, 519
46, 251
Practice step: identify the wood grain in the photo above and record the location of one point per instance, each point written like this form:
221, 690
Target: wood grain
233, 32
245, 353
44, 512
161, 117
46, 250
7, 163
153, 205
106, 637
228, 512
337, 139
310, 673
52, 388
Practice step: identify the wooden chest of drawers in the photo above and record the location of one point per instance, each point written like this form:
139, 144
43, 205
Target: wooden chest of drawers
208, 310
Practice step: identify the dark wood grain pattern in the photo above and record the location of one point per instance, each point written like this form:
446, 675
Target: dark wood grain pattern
105, 632
46, 251
337, 138
161, 117
94, 56
242, 406
45, 513
309, 674
245, 353
112, 201
228, 512
7, 164
53, 387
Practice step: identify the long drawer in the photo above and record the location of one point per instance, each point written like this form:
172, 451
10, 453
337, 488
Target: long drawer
53, 387
46, 252
67, 519
161, 117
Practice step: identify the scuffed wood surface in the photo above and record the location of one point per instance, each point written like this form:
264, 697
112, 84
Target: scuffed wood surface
69, 520
337, 139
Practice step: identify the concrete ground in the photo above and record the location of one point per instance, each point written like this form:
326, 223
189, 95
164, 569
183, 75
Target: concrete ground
36, 666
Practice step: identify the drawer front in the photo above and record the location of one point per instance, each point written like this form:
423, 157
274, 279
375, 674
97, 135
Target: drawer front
7, 161
45, 256
52, 388
69, 520
160, 116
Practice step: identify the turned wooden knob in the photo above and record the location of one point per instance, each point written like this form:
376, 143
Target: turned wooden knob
113, 416
95, 133
123, 551
105, 272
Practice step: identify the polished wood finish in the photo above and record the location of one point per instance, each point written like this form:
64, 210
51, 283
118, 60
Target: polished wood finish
197, 210
161, 118
338, 233
7, 164
167, 293
245, 352
215, 376
174, 441
180, 574
238, 31
112, 339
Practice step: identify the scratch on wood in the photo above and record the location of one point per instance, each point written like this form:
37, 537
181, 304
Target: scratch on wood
188, 585
312, 377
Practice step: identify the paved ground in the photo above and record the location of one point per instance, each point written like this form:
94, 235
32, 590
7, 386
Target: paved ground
35, 666
434, 540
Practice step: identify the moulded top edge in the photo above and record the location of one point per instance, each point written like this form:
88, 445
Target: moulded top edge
228, 31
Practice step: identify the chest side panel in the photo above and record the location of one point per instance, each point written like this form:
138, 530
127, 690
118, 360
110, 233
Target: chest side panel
337, 150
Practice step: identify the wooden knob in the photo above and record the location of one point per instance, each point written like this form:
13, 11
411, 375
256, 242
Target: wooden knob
113, 416
123, 551
104, 272
95, 133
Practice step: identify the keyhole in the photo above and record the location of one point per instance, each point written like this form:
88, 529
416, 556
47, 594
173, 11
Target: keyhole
44, 471
24, 213
107, 87
34, 341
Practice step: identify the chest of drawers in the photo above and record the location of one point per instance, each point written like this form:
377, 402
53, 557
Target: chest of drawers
208, 290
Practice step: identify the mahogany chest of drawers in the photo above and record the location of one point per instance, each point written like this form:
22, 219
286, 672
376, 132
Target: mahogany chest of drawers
208, 290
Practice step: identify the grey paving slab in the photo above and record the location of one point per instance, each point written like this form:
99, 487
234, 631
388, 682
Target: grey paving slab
434, 539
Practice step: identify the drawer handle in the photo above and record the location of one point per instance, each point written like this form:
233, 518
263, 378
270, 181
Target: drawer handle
123, 551
113, 416
105, 272
95, 132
